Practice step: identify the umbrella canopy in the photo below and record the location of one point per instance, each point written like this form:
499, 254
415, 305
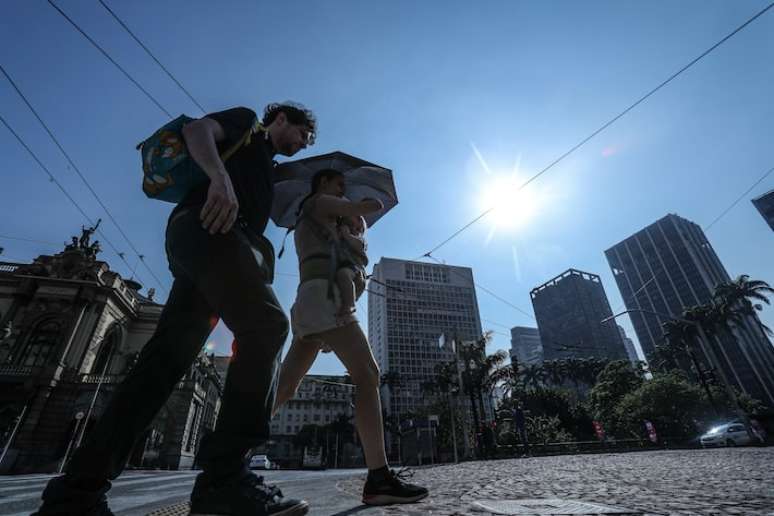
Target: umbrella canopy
293, 182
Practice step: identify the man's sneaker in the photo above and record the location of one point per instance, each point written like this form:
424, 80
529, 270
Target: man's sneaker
63, 499
248, 496
392, 489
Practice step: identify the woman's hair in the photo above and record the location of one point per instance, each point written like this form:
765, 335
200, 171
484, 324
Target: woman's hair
326, 173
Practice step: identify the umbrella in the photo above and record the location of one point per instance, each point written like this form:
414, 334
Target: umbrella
293, 182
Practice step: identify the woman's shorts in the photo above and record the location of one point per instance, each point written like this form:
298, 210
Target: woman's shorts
313, 312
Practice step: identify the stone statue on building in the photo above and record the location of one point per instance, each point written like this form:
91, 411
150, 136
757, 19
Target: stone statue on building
86, 233
93, 249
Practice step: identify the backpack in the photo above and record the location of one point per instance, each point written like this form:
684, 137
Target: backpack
169, 172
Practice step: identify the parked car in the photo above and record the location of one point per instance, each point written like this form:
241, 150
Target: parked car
728, 434
260, 462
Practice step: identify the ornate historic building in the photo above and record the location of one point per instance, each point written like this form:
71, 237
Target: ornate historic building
327, 403
70, 329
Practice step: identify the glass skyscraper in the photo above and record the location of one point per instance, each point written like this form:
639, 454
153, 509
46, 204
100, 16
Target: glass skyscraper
670, 266
569, 310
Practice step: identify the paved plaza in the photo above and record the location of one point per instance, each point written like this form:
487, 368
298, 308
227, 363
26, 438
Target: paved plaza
680, 482
698, 482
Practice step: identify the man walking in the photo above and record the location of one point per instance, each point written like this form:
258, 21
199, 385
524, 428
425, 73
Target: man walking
222, 267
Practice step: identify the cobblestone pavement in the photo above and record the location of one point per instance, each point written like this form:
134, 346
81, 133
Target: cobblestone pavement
679, 482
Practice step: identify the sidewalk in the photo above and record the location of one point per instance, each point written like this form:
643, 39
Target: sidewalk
682, 482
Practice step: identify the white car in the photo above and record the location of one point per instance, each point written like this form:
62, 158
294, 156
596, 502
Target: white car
728, 434
260, 462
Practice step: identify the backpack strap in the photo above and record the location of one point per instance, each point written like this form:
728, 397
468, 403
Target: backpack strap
244, 141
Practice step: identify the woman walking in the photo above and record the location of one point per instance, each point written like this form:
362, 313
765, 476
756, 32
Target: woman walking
319, 323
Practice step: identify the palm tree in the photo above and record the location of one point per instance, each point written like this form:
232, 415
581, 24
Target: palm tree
492, 373
714, 320
508, 377
446, 378
742, 293
555, 371
534, 376
392, 380
344, 431
744, 296
593, 367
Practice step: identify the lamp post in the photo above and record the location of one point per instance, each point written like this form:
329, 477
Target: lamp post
709, 352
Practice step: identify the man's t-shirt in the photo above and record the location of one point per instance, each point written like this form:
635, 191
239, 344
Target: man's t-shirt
250, 169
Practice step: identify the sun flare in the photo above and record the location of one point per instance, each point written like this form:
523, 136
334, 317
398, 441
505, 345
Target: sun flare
511, 208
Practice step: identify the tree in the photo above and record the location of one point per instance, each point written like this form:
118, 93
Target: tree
392, 380
617, 380
309, 435
344, 432
669, 401
682, 337
546, 429
744, 297
533, 376
554, 371
507, 376
552, 401
492, 372
742, 293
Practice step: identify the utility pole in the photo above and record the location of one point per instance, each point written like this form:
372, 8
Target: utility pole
453, 419
456, 344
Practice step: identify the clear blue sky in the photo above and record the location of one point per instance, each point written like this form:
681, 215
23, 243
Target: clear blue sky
423, 88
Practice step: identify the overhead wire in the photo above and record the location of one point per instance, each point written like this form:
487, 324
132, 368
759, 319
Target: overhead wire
31, 240
81, 176
609, 122
63, 190
706, 229
109, 58
147, 51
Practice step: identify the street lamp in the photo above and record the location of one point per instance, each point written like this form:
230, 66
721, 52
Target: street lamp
708, 352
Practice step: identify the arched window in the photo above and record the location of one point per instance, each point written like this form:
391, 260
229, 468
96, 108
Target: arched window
106, 356
41, 343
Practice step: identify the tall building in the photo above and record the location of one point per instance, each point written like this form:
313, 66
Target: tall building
569, 310
670, 266
526, 346
631, 352
410, 305
765, 205
71, 329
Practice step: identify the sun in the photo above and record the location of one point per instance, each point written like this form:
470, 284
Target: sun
511, 207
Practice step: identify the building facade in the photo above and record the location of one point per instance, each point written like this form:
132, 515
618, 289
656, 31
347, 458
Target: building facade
324, 401
410, 306
569, 310
670, 266
765, 205
71, 329
526, 346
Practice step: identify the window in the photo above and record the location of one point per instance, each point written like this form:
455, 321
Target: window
38, 348
193, 431
108, 350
